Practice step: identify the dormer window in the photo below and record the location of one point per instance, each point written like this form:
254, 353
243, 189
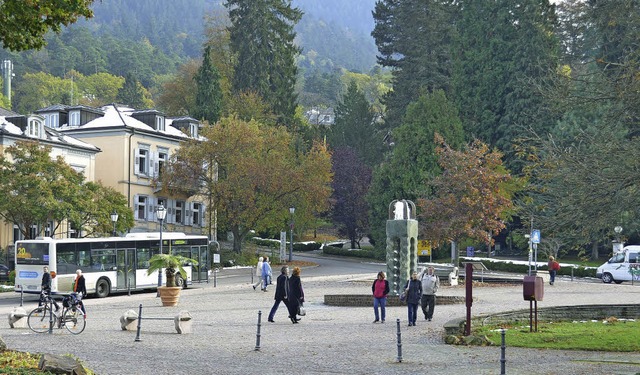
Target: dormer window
51, 120
35, 129
193, 128
160, 123
74, 118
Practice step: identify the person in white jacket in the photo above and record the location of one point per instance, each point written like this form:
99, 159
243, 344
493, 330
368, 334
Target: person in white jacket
259, 273
430, 284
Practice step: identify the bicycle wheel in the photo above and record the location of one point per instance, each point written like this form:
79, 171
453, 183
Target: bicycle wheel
74, 320
38, 319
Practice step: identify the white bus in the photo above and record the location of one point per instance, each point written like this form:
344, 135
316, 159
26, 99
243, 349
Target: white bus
109, 265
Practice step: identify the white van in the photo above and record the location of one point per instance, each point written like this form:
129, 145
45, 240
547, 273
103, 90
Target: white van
623, 266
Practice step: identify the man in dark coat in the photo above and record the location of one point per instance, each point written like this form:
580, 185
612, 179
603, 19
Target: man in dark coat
45, 286
282, 288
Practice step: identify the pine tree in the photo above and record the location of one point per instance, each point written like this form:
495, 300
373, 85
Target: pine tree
413, 38
209, 95
262, 37
504, 50
131, 93
355, 127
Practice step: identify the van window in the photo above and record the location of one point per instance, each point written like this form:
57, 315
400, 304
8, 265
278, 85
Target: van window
633, 257
618, 258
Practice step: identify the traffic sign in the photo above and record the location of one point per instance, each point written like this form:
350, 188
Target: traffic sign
535, 236
424, 248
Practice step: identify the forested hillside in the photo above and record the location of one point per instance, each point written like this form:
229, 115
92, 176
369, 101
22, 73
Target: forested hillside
152, 38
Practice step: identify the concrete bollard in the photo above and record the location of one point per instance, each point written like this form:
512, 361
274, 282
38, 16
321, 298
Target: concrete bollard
18, 318
183, 322
128, 320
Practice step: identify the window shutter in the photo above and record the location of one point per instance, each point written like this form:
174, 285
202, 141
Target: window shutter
152, 159
136, 161
135, 207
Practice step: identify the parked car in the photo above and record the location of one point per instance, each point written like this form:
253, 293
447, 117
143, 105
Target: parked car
4, 273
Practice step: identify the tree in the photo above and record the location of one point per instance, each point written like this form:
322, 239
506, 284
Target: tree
96, 90
178, 94
36, 190
252, 174
24, 24
503, 51
133, 94
40, 90
262, 39
413, 39
413, 158
471, 198
351, 180
209, 95
93, 208
355, 126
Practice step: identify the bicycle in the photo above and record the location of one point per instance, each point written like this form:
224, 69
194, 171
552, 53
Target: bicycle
43, 318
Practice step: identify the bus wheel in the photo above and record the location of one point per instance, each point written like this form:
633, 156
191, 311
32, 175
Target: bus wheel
102, 288
180, 281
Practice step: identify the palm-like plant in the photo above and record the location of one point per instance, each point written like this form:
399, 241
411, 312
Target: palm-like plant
171, 264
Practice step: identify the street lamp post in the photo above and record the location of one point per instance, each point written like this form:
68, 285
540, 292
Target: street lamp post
161, 212
114, 219
617, 244
292, 210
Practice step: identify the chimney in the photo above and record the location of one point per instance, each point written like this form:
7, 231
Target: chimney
7, 74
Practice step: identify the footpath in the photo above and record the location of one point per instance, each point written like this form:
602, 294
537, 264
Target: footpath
329, 340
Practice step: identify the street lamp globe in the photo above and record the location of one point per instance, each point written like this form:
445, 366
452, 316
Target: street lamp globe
114, 219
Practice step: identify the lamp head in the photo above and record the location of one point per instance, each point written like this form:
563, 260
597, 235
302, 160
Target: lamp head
114, 216
292, 210
161, 212
618, 229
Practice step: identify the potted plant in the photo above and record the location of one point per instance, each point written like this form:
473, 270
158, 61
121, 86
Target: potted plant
170, 293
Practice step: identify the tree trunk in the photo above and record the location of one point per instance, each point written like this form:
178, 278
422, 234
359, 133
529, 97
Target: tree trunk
594, 250
237, 241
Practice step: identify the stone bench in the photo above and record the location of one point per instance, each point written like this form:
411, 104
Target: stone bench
18, 318
182, 321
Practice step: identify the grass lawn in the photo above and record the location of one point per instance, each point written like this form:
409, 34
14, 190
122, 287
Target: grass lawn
602, 335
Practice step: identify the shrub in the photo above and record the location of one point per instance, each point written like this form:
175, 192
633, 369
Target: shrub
361, 253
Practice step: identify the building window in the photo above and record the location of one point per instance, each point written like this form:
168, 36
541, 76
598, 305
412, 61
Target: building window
163, 156
74, 118
160, 123
142, 161
196, 218
35, 129
193, 128
141, 207
51, 120
179, 212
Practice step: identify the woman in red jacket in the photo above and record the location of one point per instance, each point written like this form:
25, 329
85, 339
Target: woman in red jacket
553, 269
380, 289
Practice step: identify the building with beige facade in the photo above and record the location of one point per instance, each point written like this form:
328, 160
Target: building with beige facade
80, 155
135, 145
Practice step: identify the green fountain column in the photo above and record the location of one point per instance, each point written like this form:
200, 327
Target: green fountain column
402, 243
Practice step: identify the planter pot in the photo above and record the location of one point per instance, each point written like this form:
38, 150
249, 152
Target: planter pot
169, 295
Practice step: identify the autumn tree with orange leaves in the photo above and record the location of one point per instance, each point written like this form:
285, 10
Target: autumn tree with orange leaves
470, 199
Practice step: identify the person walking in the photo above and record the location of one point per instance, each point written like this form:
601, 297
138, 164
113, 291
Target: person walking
80, 290
295, 295
266, 273
430, 284
413, 291
380, 289
282, 288
45, 287
554, 267
259, 273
